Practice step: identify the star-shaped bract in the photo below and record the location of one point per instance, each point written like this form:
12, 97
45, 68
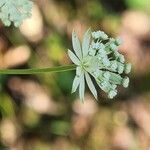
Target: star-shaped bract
79, 58
98, 57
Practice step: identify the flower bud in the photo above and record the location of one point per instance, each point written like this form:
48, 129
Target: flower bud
118, 41
127, 68
112, 94
120, 68
125, 82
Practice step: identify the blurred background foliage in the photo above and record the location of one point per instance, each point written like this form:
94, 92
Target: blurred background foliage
38, 112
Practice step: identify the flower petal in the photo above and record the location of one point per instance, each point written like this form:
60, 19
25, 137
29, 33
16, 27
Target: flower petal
86, 42
76, 45
82, 87
73, 57
90, 85
75, 84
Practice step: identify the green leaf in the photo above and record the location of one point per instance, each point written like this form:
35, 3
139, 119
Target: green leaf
90, 85
73, 57
76, 45
86, 42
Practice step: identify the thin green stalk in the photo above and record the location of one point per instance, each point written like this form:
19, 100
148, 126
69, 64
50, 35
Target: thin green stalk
37, 70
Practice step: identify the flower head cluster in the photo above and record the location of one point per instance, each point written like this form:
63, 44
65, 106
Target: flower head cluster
15, 11
98, 57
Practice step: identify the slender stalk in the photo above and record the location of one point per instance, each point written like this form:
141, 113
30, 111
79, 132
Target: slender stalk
38, 70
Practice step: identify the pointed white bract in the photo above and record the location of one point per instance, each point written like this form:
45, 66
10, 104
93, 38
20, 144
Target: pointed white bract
75, 84
82, 87
90, 85
73, 57
86, 42
100, 59
76, 45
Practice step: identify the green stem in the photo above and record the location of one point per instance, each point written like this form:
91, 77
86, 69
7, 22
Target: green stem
38, 70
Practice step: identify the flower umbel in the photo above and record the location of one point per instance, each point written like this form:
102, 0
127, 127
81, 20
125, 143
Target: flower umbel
98, 57
15, 11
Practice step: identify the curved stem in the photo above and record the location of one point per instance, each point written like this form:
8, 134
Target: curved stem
38, 70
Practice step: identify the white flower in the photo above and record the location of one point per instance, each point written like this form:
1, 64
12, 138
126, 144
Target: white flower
98, 57
15, 11
79, 58
100, 35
